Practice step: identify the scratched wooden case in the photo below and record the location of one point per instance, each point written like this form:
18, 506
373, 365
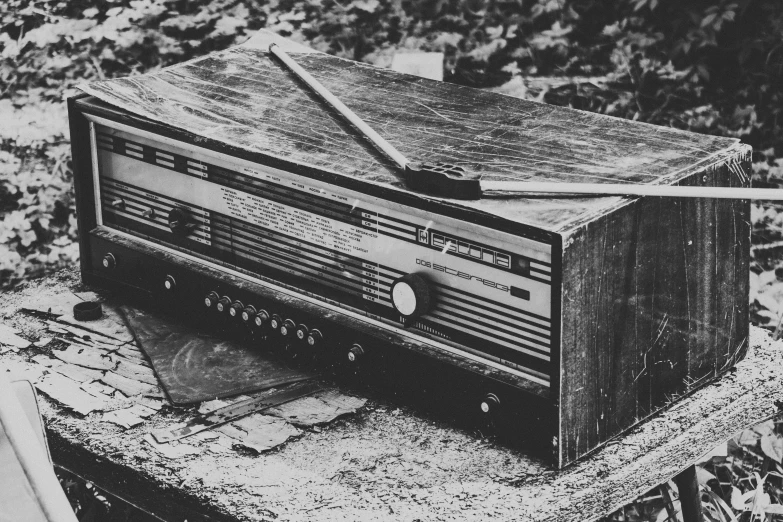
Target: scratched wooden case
649, 295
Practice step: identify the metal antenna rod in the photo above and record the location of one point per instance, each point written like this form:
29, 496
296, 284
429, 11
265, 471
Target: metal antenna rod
340, 107
451, 181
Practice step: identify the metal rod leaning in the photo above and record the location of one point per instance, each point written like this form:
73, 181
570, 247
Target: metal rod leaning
451, 181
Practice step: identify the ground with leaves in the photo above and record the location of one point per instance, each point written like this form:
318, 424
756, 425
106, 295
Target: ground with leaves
707, 66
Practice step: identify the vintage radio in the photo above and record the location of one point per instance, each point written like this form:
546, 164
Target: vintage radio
223, 187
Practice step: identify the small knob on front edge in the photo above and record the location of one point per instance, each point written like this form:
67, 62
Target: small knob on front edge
170, 283
355, 353
109, 261
490, 404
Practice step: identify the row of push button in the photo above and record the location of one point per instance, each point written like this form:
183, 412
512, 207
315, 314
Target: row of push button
260, 318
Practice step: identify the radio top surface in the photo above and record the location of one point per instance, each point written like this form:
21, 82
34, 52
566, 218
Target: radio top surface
244, 99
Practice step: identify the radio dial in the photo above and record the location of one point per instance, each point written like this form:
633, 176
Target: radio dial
211, 299
261, 318
180, 221
223, 303
236, 309
411, 296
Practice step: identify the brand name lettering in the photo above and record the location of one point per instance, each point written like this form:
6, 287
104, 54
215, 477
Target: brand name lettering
463, 275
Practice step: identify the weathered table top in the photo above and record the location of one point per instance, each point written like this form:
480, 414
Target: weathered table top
388, 463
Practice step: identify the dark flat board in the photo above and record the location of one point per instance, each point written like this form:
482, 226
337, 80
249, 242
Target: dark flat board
242, 97
194, 367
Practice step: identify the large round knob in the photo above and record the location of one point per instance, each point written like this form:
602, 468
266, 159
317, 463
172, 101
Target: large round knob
411, 296
179, 221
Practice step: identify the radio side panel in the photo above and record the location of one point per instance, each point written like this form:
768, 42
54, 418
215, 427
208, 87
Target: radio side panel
655, 305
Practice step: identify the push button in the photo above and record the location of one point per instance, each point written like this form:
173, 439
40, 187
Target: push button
301, 332
211, 299
248, 313
287, 327
236, 309
223, 303
261, 318
315, 337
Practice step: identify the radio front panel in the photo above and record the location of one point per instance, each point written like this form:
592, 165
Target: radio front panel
492, 291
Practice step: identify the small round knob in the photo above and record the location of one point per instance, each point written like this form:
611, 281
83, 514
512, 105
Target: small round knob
179, 221
211, 299
314, 337
355, 353
235, 310
109, 261
490, 404
170, 283
301, 332
411, 296
149, 213
248, 313
223, 303
287, 327
275, 322
118, 203
261, 318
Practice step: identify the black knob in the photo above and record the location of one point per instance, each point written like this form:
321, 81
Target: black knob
223, 303
109, 261
314, 337
180, 221
411, 296
170, 283
301, 332
287, 327
236, 309
275, 322
211, 299
248, 313
490, 404
355, 353
149, 213
261, 318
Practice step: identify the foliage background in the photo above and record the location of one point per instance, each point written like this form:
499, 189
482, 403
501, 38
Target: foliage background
710, 66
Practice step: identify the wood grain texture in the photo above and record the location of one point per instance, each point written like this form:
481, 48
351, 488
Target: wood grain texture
654, 306
243, 98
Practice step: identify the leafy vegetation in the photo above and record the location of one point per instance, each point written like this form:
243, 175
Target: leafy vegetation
710, 66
